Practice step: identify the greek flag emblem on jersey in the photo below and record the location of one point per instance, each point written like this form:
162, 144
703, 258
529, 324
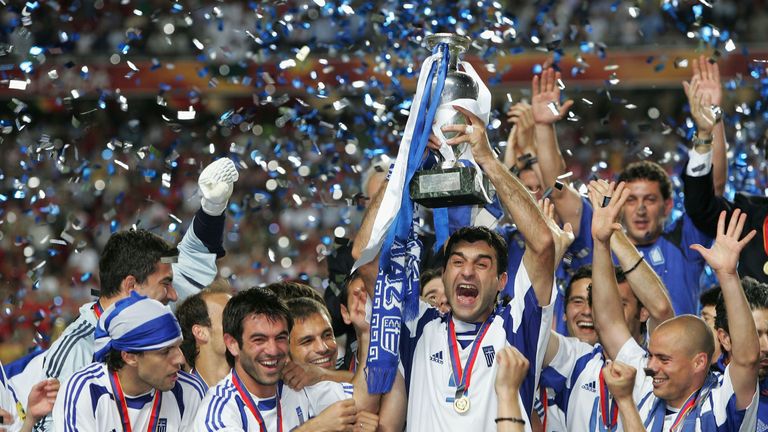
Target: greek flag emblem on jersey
657, 258
761, 426
391, 330
490, 354
162, 425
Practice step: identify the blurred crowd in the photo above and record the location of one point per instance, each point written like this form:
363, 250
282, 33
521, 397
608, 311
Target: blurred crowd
72, 175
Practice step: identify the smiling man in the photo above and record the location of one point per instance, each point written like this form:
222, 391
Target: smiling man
139, 261
312, 340
314, 353
448, 360
674, 388
573, 370
756, 294
257, 327
137, 383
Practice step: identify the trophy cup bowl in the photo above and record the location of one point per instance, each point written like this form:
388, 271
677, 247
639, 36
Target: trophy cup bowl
457, 185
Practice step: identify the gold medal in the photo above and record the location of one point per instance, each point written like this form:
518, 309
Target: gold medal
461, 405
765, 268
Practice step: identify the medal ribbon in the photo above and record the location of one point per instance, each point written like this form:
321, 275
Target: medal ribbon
122, 405
462, 377
659, 411
97, 310
607, 406
248, 400
684, 411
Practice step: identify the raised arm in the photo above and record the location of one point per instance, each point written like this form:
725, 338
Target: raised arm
723, 257
645, 283
706, 164
370, 270
545, 102
202, 244
517, 202
521, 149
707, 76
609, 317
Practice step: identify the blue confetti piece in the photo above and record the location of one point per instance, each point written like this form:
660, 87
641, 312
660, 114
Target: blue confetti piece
697, 10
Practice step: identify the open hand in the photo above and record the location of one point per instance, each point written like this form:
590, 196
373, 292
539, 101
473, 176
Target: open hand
564, 237
546, 98
724, 253
605, 218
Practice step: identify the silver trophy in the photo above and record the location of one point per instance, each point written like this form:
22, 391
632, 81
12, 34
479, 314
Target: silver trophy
448, 186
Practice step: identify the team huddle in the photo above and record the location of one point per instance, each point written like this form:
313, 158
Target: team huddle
579, 315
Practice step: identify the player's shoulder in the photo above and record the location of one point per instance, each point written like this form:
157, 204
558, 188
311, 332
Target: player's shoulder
90, 372
191, 383
221, 392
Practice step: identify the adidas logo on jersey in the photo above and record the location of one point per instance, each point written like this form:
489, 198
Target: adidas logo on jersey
437, 357
590, 386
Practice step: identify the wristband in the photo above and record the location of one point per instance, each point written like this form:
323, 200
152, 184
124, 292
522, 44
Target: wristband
698, 141
510, 419
626, 272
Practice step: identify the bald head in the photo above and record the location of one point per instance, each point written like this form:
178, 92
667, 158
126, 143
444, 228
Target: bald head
692, 333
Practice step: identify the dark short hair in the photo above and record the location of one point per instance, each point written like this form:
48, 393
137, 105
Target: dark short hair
344, 291
709, 297
287, 290
258, 301
427, 276
114, 359
130, 253
193, 311
303, 308
651, 171
189, 313
756, 293
475, 234
585, 272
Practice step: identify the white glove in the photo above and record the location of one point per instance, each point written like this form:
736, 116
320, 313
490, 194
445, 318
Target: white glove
216, 184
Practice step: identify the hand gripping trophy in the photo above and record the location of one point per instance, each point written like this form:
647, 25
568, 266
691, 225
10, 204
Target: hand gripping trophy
456, 180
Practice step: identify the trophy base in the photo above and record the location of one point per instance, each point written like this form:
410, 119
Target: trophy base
449, 187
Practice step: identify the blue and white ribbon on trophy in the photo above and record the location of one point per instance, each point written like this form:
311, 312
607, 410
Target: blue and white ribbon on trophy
397, 285
448, 220
393, 234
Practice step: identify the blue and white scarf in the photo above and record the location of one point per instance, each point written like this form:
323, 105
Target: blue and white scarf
397, 285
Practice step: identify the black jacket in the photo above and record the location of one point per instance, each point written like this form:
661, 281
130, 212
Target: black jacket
704, 208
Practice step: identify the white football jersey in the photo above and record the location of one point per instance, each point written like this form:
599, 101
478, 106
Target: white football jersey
9, 402
223, 408
73, 350
717, 411
87, 403
573, 378
428, 371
